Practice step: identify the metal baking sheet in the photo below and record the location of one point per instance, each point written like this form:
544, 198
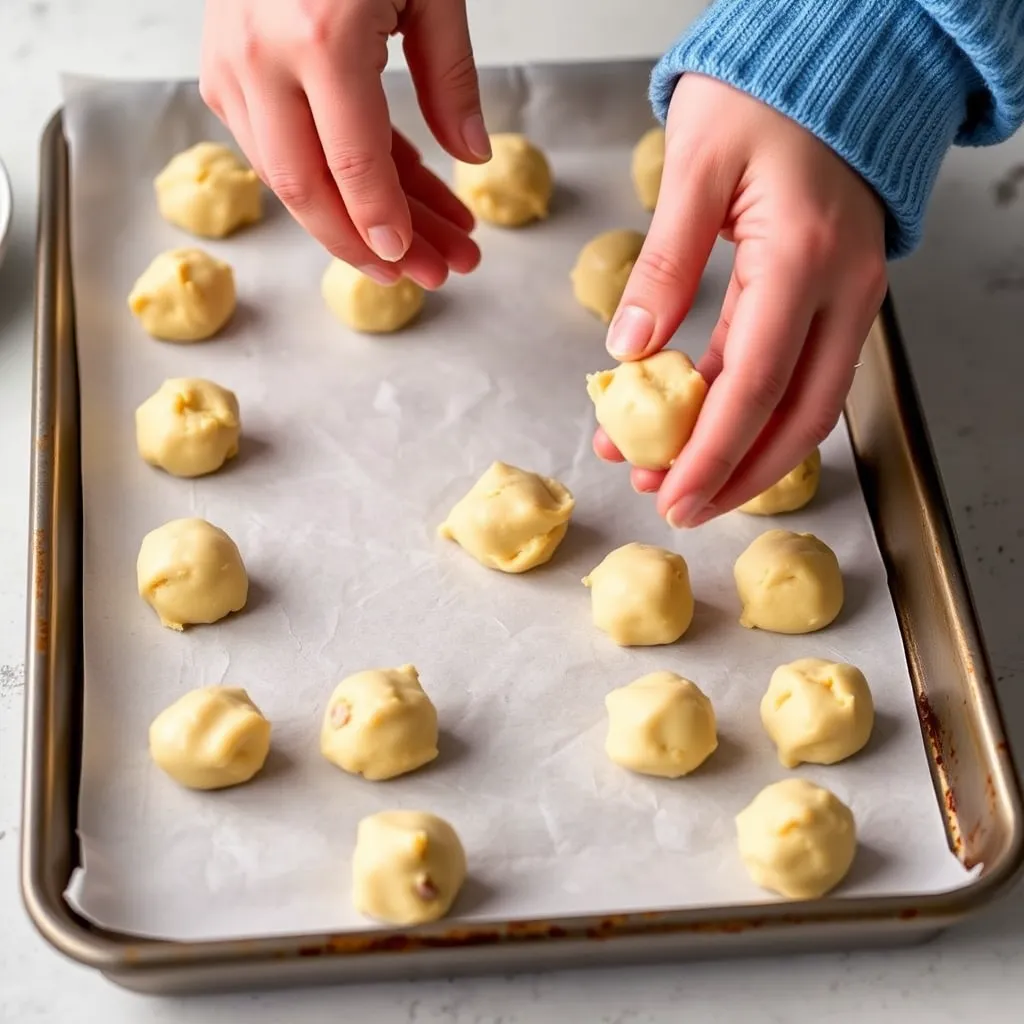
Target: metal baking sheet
561, 341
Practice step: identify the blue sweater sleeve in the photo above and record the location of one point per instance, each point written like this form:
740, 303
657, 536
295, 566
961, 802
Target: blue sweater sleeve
889, 85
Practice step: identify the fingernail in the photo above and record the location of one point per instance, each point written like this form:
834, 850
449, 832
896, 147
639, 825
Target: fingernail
474, 134
630, 332
684, 512
386, 243
379, 275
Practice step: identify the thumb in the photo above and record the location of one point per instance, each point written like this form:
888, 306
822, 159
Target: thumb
440, 56
692, 207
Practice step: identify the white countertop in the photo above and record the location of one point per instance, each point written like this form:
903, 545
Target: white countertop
961, 304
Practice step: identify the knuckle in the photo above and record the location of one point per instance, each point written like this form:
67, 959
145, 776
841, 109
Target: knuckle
460, 77
292, 190
355, 167
821, 425
813, 243
314, 23
762, 389
660, 269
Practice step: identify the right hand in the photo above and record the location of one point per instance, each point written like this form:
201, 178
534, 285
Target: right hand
298, 84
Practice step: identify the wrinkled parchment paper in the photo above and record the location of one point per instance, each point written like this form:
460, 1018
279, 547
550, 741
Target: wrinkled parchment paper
354, 449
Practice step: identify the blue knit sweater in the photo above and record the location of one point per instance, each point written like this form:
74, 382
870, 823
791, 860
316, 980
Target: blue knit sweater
890, 85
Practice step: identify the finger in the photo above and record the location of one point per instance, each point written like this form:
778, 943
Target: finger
291, 163
710, 364
807, 414
351, 115
767, 334
646, 481
692, 206
421, 183
233, 114
604, 448
455, 247
440, 57
424, 264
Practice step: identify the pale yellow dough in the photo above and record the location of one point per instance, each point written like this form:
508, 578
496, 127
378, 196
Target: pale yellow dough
788, 583
640, 595
602, 270
513, 188
660, 724
184, 295
208, 191
792, 492
817, 712
407, 867
647, 166
380, 724
648, 408
189, 427
511, 519
191, 572
797, 839
366, 306
211, 738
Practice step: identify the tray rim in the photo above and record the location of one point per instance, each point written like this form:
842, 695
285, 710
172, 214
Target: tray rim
122, 956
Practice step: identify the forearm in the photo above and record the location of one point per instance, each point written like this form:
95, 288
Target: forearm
889, 85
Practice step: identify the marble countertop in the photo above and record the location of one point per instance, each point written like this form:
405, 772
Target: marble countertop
960, 301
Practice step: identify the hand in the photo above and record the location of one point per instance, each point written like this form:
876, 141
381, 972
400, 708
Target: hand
298, 84
807, 281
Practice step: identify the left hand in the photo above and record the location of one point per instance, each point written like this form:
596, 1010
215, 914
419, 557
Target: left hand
808, 279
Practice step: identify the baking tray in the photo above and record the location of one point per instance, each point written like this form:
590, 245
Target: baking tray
974, 777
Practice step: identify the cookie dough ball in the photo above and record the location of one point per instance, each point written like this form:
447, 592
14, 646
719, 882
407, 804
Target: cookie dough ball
380, 724
513, 188
649, 407
184, 295
511, 519
788, 583
660, 724
817, 711
407, 868
797, 839
208, 191
641, 596
648, 164
211, 738
366, 306
792, 492
191, 572
602, 270
189, 427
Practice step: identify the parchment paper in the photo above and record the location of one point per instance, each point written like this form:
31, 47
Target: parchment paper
354, 449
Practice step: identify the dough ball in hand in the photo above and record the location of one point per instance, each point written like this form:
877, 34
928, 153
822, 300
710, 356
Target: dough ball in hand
513, 188
366, 306
640, 595
380, 724
660, 724
792, 492
602, 270
649, 407
788, 583
191, 572
189, 427
211, 738
184, 295
407, 867
511, 519
817, 711
647, 166
797, 839
208, 191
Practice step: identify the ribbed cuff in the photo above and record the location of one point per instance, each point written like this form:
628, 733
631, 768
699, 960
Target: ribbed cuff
876, 80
